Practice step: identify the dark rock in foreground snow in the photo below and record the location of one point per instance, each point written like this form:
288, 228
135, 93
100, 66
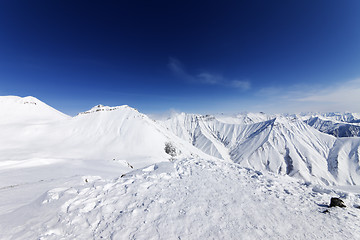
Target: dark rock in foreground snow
336, 202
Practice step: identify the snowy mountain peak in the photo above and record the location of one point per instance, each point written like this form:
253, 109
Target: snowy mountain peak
102, 108
27, 109
19, 100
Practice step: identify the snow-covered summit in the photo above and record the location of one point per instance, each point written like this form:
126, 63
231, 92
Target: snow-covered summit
19, 100
102, 108
15, 109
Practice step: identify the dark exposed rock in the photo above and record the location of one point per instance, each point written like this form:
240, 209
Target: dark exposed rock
170, 149
336, 202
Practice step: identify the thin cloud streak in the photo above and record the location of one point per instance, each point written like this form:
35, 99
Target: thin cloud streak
343, 96
205, 77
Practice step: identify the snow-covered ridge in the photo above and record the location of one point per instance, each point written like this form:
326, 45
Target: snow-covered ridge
20, 100
284, 145
334, 127
106, 133
102, 108
15, 109
277, 143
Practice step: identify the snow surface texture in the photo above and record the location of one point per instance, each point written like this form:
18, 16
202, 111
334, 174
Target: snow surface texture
187, 199
113, 173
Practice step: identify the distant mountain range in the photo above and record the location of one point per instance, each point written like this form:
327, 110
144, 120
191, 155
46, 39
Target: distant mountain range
338, 126
277, 143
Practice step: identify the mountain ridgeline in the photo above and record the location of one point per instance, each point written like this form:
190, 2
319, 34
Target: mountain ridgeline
283, 145
335, 128
301, 146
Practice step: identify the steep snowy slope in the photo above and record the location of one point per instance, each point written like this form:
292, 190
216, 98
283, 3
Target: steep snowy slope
26, 110
186, 199
287, 147
283, 145
334, 127
207, 133
343, 161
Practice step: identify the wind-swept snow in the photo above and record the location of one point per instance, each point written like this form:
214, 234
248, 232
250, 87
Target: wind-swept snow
187, 199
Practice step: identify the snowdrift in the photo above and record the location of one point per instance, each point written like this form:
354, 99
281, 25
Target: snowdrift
186, 199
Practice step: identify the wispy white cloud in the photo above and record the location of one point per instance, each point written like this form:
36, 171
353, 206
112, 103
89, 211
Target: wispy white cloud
205, 77
208, 78
346, 93
177, 68
245, 85
342, 96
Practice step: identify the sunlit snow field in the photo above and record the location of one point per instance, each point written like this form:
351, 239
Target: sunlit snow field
105, 174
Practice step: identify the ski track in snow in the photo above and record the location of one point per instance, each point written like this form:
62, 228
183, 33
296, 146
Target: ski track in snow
187, 199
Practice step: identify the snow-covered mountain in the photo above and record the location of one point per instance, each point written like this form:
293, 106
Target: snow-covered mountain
283, 145
342, 117
100, 133
246, 118
106, 141
334, 127
114, 173
26, 110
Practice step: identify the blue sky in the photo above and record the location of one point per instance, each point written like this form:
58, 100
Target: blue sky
192, 56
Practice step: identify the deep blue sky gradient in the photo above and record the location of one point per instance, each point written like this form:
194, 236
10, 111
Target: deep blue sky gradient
76, 54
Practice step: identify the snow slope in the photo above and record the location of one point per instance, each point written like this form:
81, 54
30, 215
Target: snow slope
343, 161
187, 199
283, 145
15, 109
334, 127
103, 141
100, 133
